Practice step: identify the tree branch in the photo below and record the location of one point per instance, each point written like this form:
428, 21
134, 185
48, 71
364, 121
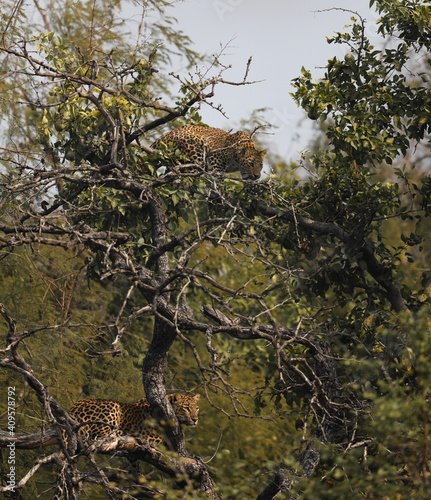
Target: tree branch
365, 250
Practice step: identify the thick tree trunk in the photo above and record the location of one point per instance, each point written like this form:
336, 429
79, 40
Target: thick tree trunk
153, 368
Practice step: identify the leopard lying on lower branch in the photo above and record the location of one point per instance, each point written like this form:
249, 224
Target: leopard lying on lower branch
105, 417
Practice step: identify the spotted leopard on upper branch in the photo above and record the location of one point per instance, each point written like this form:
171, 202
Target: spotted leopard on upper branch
216, 149
105, 417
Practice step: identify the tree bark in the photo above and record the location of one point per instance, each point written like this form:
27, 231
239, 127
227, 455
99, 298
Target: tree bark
164, 334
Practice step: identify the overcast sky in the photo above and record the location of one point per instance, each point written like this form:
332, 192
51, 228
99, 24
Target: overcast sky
281, 36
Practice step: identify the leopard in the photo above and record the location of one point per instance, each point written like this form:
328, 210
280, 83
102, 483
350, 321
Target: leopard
106, 417
216, 149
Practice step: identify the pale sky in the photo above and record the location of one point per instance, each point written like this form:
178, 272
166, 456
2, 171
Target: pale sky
281, 36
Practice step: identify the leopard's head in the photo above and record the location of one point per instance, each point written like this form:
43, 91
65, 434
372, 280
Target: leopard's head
250, 161
186, 408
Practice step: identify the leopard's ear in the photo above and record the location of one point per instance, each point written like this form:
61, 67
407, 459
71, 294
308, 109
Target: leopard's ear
262, 153
197, 397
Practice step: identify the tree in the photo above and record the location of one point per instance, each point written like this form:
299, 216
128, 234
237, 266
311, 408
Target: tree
324, 327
